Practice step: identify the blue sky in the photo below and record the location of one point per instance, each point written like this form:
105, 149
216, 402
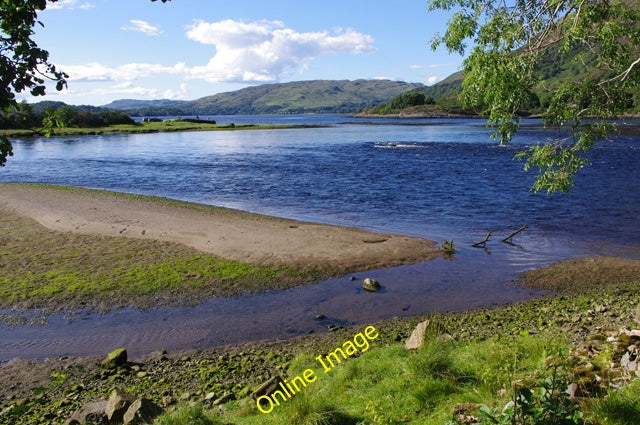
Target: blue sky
187, 49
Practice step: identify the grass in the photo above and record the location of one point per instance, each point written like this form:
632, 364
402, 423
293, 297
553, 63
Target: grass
46, 268
433, 385
391, 385
191, 415
620, 407
149, 127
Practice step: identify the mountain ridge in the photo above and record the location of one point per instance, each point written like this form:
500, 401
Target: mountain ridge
310, 96
126, 104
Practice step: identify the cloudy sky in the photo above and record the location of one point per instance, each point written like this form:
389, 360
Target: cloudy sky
186, 49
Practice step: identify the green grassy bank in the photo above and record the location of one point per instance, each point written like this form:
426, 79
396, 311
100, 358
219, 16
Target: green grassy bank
149, 127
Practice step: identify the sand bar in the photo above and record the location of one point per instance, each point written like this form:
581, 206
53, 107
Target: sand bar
228, 233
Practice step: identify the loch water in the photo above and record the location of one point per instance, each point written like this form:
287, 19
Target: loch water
438, 179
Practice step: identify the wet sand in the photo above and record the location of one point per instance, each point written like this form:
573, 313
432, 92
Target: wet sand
227, 233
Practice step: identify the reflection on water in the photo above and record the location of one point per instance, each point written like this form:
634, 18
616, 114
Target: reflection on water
434, 181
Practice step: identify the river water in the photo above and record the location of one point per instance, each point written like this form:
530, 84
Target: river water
439, 179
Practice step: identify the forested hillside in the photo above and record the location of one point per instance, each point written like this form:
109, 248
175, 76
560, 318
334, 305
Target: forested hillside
319, 96
555, 68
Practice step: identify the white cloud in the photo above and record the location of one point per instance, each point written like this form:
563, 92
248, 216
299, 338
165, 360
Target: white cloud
431, 79
143, 27
233, 34
114, 91
255, 52
69, 4
176, 94
128, 72
265, 51
126, 89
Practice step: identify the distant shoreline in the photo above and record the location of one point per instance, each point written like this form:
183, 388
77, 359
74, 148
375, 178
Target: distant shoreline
154, 127
415, 115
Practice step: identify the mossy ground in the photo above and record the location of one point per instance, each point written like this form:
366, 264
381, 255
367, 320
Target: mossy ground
63, 270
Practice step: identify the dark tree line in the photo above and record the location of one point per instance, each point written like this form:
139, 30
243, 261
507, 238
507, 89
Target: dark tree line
25, 115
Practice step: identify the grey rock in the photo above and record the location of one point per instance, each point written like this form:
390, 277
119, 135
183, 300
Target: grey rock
141, 411
416, 340
92, 413
370, 285
267, 388
629, 361
573, 391
117, 405
224, 399
115, 359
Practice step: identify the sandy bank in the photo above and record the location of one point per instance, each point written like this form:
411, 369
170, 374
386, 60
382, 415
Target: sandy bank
227, 233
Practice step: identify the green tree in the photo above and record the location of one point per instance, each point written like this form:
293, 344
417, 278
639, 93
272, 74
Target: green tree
506, 40
23, 65
406, 100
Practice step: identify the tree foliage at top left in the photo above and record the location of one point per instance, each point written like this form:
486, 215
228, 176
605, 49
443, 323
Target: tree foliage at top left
23, 65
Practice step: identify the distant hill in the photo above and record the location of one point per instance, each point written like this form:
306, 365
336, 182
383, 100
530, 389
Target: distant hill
447, 88
127, 104
318, 96
554, 69
441, 100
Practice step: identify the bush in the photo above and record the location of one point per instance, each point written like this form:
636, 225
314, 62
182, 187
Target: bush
546, 404
406, 100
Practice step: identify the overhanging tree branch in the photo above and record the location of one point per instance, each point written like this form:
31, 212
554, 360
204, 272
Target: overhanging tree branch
501, 72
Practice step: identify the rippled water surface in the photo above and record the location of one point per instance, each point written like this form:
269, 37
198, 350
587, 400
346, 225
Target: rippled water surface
436, 181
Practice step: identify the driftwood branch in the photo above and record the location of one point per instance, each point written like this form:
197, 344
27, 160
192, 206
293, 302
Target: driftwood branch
483, 242
509, 238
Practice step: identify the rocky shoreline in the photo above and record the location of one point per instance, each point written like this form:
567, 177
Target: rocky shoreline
594, 321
